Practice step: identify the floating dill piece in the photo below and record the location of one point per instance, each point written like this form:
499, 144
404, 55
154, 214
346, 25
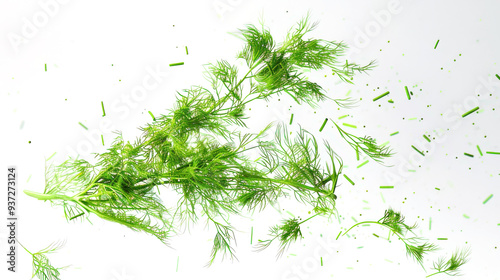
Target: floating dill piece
45, 67
479, 150
321, 258
251, 236
344, 116
493, 153
442, 238
362, 164
187, 52
103, 111
436, 44
469, 155
394, 133
498, 77
407, 93
470, 112
176, 64
420, 152
349, 179
291, 119
438, 189
323, 125
426, 138
390, 101
380, 96
102, 139
487, 199
83, 125
350, 125
387, 187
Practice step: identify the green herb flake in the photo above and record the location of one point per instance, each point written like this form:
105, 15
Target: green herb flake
344, 116
152, 116
470, 112
45, 67
380, 96
436, 44
407, 93
498, 77
493, 153
438, 189
426, 138
350, 125
83, 125
420, 152
291, 119
348, 179
469, 155
467, 217
442, 238
479, 150
323, 125
187, 52
387, 187
176, 64
487, 199
362, 164
394, 133
102, 139
103, 111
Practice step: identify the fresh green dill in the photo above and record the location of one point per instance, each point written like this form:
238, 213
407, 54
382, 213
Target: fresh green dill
451, 266
197, 152
42, 268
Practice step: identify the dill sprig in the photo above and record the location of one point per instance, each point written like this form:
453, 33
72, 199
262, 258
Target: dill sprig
416, 247
42, 268
452, 266
196, 149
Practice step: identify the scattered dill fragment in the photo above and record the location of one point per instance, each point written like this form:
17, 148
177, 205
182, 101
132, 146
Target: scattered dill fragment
176, 64
394, 133
45, 67
187, 52
102, 139
438, 189
42, 268
407, 93
442, 238
51, 156
412, 170
390, 101
321, 258
466, 216
251, 236
350, 125
430, 223
426, 138
488, 198
349, 179
103, 111
479, 150
420, 152
493, 153
416, 247
291, 119
357, 153
83, 126
451, 267
323, 125
341, 117
470, 112
376, 235
380, 96
152, 116
177, 267
387, 187
436, 44
469, 155
354, 219
365, 162
498, 77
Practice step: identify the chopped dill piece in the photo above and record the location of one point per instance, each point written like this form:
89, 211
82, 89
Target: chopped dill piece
380, 96
407, 93
426, 138
51, 156
251, 236
341, 117
438, 189
420, 152
394, 133
28, 179
348, 179
442, 238
357, 153
390, 101
177, 267
102, 139
350, 125
103, 111
354, 219
176, 64
338, 235
321, 258
76, 216
323, 125
488, 198
376, 235
430, 223
45, 67
469, 155
479, 150
152, 116
291, 119
362, 164
387, 187
83, 126
436, 44
493, 153
470, 112
498, 77
361, 247
412, 119
412, 170
187, 52
467, 217
382, 196
411, 92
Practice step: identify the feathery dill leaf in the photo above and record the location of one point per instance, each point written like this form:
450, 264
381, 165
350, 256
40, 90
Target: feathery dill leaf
452, 266
42, 268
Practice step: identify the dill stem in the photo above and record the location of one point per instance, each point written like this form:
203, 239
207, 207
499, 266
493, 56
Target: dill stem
433, 274
42, 196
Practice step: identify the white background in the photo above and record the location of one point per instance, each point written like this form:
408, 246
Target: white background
81, 40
